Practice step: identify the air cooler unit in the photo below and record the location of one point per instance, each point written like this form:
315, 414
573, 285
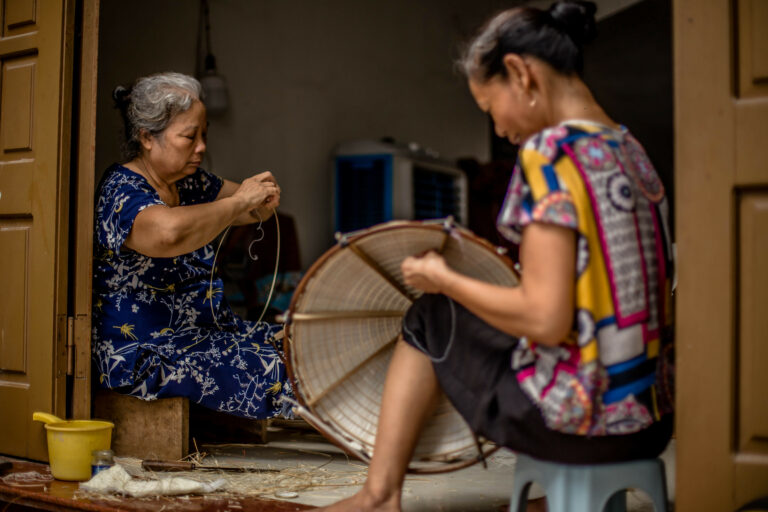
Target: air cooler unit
376, 182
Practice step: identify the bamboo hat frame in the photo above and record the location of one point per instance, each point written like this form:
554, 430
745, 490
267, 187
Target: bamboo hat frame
345, 318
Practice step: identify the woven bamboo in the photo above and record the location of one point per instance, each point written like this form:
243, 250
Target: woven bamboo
345, 318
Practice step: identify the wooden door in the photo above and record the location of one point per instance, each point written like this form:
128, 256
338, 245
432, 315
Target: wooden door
721, 146
35, 124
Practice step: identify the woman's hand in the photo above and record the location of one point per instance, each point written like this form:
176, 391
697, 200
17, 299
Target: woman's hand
258, 191
426, 272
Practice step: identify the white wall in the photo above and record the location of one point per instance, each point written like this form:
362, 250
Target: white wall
303, 76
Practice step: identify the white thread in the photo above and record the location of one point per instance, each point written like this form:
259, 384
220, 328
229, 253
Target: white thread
274, 278
254, 258
213, 268
259, 229
274, 275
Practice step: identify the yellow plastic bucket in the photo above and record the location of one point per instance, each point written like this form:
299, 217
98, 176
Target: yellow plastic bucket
71, 443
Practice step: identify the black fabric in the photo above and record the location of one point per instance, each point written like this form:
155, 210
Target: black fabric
647, 367
475, 374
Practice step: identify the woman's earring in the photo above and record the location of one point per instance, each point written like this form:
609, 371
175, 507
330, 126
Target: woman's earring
533, 102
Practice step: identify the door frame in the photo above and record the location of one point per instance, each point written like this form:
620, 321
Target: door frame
83, 186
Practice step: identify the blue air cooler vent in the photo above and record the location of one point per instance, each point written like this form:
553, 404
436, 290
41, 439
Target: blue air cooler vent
435, 195
363, 191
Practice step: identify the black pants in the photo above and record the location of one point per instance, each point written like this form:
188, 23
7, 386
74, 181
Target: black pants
474, 371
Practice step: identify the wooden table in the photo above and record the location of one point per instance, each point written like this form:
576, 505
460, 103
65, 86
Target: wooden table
57, 495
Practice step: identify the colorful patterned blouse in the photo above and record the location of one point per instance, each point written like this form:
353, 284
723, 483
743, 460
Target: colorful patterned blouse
612, 375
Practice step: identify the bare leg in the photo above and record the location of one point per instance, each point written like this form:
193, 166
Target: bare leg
410, 393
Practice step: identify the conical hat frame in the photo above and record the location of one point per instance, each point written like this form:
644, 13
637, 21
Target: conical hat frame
342, 325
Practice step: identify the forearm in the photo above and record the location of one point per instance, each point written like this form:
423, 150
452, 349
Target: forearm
168, 232
508, 309
541, 307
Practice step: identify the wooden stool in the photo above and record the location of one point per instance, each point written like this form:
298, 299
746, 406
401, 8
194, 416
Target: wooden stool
157, 429
162, 429
588, 487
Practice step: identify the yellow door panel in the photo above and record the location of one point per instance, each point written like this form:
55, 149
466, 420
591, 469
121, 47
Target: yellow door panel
19, 15
35, 65
14, 255
721, 204
753, 323
18, 88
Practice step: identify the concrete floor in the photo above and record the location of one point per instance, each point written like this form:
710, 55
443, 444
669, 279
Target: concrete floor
337, 476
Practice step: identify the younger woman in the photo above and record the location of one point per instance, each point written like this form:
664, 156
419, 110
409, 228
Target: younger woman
573, 364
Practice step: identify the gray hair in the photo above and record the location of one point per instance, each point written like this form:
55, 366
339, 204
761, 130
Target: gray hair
151, 104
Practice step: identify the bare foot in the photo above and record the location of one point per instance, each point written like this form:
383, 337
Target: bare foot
364, 501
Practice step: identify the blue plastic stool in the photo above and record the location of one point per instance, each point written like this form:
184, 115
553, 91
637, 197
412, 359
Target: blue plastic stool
588, 488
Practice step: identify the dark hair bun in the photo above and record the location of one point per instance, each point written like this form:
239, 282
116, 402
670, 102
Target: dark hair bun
122, 97
576, 18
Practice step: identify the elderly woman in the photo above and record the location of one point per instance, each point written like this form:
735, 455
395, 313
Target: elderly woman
161, 326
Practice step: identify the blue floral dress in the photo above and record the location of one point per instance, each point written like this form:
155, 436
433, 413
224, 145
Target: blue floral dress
160, 327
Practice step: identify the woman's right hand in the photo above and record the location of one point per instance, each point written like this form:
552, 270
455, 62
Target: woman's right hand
258, 191
427, 272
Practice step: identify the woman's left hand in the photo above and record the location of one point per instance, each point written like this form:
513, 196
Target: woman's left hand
263, 191
426, 272
273, 200
266, 189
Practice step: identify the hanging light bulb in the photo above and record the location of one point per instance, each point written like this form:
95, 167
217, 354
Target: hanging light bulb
215, 93
214, 89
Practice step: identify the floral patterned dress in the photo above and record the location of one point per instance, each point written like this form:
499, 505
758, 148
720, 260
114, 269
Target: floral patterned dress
161, 326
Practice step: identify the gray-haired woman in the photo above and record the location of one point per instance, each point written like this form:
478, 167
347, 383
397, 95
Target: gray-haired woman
161, 326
